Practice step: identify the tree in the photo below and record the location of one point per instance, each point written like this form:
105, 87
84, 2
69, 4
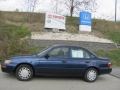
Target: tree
76, 5
56, 6
31, 5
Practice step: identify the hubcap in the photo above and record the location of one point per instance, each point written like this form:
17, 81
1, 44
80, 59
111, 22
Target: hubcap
24, 73
91, 75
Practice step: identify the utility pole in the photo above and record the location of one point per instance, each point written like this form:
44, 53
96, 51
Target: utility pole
115, 10
56, 7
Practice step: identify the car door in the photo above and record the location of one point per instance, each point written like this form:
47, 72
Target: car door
79, 60
54, 61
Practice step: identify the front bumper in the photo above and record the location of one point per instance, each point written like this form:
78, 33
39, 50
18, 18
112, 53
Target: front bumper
7, 68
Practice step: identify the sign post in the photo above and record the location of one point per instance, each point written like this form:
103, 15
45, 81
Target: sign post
85, 21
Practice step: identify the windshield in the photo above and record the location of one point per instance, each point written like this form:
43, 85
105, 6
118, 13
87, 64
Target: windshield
44, 51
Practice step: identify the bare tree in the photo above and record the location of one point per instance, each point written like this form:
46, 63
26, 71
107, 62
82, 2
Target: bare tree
57, 4
31, 5
76, 5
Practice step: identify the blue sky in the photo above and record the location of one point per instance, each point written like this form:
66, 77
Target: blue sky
105, 8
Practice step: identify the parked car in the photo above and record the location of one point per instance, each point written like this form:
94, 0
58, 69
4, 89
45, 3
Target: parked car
59, 60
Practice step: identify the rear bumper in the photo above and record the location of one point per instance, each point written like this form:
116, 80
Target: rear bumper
106, 71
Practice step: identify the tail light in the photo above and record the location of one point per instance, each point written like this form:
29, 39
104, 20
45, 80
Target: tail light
109, 64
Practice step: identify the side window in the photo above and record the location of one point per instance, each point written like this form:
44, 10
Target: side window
59, 52
79, 53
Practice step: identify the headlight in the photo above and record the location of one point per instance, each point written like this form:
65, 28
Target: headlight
7, 61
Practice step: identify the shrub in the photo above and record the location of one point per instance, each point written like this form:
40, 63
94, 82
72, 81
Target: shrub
13, 40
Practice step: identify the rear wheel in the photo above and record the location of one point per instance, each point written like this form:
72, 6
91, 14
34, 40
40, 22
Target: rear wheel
24, 72
91, 75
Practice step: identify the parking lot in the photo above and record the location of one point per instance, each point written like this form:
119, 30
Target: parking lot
104, 82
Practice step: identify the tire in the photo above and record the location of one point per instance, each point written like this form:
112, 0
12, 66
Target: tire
24, 72
91, 75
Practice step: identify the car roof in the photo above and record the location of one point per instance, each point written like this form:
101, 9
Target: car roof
66, 45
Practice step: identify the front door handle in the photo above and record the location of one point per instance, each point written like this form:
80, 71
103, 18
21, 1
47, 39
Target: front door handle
64, 61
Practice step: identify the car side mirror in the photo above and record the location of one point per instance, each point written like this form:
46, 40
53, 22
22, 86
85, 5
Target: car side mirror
46, 56
92, 56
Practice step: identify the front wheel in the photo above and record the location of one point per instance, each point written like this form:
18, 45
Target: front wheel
24, 72
91, 75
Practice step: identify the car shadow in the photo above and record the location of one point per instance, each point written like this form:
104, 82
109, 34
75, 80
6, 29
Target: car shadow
44, 78
58, 78
7, 75
66, 78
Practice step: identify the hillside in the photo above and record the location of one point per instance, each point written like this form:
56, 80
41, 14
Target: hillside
108, 29
35, 22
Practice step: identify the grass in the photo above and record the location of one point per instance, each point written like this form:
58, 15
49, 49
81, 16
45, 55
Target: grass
108, 29
72, 24
114, 55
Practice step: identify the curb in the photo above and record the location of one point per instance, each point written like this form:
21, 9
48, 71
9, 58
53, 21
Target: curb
114, 76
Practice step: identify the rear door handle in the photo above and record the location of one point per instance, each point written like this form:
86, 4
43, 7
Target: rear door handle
87, 61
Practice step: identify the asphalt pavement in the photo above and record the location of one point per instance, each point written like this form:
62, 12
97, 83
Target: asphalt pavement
116, 72
104, 82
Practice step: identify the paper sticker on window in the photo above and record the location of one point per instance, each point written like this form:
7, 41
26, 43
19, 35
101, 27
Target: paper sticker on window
77, 54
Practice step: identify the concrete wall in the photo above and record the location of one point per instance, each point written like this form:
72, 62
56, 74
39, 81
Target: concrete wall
89, 45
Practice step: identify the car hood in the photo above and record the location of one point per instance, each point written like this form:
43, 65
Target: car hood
24, 56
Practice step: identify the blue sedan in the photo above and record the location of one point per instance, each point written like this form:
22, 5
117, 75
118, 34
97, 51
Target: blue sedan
59, 60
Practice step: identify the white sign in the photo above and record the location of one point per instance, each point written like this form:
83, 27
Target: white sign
85, 28
54, 21
77, 54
